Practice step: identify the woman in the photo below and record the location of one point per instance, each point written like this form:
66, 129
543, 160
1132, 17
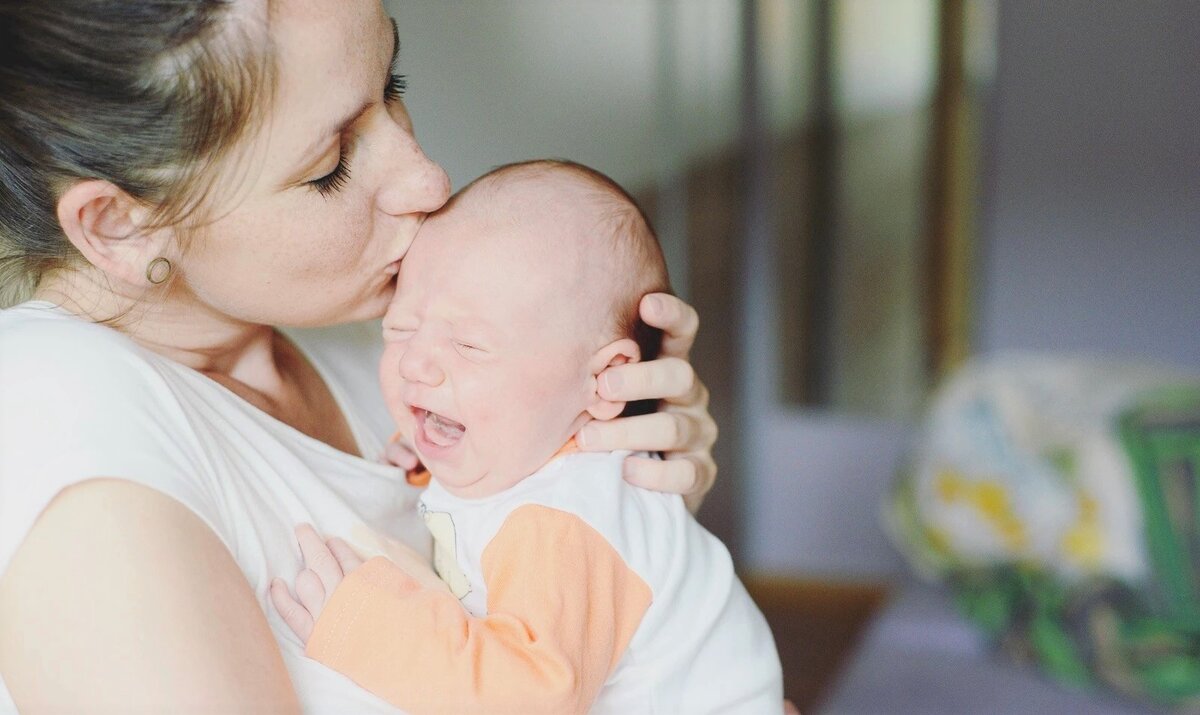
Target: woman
177, 177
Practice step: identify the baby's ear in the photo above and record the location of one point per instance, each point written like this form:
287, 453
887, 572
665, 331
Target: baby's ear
618, 352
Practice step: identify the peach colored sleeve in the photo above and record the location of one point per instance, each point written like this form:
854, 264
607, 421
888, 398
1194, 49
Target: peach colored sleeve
562, 608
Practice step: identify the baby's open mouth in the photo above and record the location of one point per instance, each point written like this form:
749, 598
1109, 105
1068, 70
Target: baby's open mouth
440, 431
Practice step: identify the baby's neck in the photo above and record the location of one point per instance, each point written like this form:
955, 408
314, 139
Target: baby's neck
474, 492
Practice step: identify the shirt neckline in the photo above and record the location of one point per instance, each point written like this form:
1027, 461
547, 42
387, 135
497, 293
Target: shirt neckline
357, 429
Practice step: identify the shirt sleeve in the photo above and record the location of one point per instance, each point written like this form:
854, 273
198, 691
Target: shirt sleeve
562, 608
78, 402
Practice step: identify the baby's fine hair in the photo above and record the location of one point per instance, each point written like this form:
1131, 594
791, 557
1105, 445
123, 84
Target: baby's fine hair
630, 235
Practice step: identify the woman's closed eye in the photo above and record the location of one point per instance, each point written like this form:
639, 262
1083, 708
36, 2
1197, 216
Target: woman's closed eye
335, 179
393, 91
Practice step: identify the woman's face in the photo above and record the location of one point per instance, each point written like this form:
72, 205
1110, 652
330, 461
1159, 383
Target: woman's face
333, 186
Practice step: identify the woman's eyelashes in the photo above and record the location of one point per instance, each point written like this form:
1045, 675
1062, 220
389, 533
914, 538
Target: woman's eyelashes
394, 89
336, 179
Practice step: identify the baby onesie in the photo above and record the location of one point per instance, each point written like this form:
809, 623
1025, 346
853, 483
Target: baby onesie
571, 591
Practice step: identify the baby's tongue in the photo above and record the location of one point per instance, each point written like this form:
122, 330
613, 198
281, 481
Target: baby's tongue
442, 431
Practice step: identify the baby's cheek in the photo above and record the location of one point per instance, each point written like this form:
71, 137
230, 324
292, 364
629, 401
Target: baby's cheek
390, 382
501, 425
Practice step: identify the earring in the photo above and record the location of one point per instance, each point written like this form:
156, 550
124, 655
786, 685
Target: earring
158, 271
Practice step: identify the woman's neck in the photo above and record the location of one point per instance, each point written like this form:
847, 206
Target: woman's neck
173, 325
253, 361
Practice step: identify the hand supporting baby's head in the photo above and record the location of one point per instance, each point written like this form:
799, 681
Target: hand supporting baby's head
512, 299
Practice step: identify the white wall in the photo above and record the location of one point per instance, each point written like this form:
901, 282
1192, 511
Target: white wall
814, 505
1091, 242
1092, 212
492, 82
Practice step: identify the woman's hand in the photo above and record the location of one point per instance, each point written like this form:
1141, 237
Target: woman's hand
325, 564
682, 428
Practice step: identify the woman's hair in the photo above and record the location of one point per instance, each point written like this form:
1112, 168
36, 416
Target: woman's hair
147, 94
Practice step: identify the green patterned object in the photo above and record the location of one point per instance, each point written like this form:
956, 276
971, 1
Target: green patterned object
1163, 442
1060, 502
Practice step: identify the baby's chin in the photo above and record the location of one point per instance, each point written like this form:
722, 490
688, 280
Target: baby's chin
464, 482
474, 481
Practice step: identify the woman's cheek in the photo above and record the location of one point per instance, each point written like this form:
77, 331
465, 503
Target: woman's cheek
335, 231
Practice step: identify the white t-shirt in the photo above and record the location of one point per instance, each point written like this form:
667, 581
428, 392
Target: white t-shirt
80, 400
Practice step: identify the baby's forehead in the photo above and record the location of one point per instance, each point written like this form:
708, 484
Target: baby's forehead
541, 214
547, 224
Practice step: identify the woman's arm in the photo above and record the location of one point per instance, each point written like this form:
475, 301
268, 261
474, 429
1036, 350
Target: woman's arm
682, 428
121, 600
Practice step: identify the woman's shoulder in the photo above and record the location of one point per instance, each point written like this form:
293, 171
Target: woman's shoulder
43, 344
43, 332
78, 401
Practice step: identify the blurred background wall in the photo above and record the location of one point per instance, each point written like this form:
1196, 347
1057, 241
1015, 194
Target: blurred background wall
783, 148
1091, 235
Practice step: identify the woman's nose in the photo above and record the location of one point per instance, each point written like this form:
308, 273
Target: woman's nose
415, 183
419, 364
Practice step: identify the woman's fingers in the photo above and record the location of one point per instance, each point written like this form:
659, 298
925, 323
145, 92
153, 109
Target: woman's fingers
318, 558
346, 557
682, 428
669, 378
689, 475
296, 616
656, 432
678, 321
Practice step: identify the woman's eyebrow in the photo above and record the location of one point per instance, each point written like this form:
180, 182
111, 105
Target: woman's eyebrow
395, 44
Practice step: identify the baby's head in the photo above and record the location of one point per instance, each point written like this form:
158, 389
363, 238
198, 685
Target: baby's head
511, 300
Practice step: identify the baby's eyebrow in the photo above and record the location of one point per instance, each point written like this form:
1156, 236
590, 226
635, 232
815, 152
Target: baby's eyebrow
477, 327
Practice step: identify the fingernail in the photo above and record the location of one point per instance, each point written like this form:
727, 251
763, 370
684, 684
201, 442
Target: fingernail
582, 438
656, 304
614, 381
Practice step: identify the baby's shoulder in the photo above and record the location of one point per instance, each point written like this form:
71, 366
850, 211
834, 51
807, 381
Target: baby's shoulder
592, 486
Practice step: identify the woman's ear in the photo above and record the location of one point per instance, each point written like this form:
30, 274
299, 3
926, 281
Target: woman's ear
106, 225
618, 352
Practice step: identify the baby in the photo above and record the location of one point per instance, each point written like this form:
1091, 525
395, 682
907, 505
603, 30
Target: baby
566, 589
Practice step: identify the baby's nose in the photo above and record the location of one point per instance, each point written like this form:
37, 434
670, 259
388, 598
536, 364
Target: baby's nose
419, 364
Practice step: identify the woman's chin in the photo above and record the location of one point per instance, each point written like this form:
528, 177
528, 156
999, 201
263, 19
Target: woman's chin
370, 307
